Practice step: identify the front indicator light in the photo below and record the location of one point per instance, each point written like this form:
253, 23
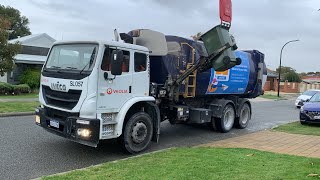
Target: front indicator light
84, 133
83, 122
38, 119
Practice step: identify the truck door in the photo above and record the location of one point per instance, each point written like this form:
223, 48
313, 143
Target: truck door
114, 91
141, 75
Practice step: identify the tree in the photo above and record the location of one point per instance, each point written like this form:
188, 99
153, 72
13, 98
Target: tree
303, 74
289, 74
18, 23
7, 51
292, 76
197, 36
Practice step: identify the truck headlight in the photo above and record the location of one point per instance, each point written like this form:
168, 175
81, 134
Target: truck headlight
84, 132
302, 109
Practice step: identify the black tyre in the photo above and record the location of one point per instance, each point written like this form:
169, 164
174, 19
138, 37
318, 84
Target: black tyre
244, 118
137, 133
212, 124
303, 123
226, 122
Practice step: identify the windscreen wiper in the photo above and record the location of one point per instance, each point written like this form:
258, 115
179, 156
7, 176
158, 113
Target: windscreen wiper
91, 60
53, 67
70, 67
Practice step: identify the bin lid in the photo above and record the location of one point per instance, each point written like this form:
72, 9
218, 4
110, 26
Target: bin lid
226, 12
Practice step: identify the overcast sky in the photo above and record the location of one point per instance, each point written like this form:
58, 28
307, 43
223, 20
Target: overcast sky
264, 25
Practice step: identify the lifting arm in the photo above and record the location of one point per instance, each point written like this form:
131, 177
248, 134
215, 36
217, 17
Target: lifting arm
203, 64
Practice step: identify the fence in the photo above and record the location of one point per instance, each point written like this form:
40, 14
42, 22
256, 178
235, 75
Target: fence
288, 87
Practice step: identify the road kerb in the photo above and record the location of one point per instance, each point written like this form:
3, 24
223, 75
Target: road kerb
15, 114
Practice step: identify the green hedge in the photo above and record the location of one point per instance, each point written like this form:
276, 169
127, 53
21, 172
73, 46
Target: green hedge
31, 77
21, 89
8, 89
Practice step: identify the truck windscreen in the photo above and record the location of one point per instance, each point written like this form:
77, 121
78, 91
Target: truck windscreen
74, 57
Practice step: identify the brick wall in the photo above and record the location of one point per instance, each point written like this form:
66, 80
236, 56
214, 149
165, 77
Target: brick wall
288, 87
291, 87
267, 86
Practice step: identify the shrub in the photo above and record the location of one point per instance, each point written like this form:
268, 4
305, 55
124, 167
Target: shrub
31, 77
22, 88
6, 88
9, 89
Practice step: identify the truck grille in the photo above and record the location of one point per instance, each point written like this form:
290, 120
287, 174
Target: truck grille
67, 100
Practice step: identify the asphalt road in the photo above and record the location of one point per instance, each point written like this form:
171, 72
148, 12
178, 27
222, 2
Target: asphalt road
27, 151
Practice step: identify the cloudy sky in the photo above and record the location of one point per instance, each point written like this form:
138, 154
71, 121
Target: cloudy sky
265, 25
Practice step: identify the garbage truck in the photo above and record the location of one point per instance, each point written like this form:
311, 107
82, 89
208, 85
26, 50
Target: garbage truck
99, 90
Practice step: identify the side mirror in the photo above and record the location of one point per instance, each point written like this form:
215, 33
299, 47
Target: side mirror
105, 75
116, 62
308, 100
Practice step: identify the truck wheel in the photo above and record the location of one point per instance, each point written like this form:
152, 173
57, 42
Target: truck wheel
245, 116
137, 133
226, 122
212, 124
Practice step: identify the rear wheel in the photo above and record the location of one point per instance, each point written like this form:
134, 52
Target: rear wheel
245, 116
212, 124
137, 133
226, 122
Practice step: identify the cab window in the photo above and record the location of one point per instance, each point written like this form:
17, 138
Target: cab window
140, 62
106, 61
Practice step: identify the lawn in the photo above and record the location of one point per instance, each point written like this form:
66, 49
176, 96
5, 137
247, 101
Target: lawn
203, 163
270, 96
9, 107
31, 95
297, 128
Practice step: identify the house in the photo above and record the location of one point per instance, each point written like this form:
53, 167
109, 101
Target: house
272, 80
311, 79
33, 54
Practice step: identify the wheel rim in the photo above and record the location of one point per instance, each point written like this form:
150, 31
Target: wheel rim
229, 118
244, 116
139, 132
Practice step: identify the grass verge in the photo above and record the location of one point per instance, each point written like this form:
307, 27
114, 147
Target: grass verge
297, 128
273, 97
202, 163
31, 95
10, 107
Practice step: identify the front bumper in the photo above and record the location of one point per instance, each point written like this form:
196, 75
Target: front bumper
69, 126
307, 119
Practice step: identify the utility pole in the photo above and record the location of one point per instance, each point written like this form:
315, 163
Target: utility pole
281, 65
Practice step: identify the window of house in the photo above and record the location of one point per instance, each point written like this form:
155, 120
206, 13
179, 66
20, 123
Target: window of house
140, 62
106, 61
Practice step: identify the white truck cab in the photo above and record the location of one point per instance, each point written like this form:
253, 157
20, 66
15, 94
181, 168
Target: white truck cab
88, 88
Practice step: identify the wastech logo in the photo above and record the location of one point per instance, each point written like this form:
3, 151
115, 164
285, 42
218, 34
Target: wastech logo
115, 91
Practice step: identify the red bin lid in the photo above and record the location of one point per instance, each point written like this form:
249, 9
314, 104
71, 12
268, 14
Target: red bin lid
226, 11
